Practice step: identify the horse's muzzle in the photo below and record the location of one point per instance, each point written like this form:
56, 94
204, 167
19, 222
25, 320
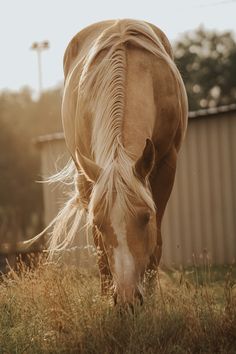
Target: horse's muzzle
125, 298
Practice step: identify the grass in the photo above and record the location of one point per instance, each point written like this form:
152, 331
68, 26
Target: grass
58, 309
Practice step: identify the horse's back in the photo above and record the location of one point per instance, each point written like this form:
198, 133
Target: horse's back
82, 41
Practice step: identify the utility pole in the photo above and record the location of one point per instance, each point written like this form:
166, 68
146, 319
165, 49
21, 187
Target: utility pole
39, 47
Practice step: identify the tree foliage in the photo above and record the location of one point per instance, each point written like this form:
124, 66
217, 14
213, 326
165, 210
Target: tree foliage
21, 120
207, 61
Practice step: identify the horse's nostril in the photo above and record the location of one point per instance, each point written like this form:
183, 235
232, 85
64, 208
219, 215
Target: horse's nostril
115, 298
131, 307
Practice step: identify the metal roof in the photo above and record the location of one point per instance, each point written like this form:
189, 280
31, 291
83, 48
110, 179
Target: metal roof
208, 112
212, 111
49, 137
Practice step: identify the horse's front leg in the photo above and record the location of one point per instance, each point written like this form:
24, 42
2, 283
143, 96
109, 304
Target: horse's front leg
162, 181
84, 188
103, 265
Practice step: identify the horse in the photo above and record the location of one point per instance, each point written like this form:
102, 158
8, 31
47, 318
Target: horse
124, 113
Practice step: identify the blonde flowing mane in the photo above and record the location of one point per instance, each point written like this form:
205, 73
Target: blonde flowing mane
101, 90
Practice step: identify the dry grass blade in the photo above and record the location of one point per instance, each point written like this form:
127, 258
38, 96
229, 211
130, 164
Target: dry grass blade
57, 309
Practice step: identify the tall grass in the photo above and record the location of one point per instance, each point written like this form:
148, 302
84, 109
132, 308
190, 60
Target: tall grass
58, 309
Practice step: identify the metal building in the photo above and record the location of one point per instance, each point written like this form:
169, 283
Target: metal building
200, 218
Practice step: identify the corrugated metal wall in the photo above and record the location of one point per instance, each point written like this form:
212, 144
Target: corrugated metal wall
200, 217
54, 156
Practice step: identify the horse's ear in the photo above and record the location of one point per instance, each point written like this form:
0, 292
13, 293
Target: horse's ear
89, 168
144, 165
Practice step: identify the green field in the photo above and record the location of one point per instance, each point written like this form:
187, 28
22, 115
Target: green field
57, 309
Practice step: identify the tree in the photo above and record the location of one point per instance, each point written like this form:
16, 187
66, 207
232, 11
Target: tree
207, 62
21, 120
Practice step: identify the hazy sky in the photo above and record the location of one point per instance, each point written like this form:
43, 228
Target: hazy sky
23, 22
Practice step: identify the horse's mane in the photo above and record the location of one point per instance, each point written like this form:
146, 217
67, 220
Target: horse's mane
102, 85
101, 88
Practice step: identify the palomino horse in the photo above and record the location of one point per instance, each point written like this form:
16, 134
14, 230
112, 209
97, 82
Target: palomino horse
124, 115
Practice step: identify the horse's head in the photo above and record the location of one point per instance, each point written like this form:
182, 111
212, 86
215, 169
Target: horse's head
129, 236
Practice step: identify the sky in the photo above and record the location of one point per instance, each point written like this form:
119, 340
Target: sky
23, 22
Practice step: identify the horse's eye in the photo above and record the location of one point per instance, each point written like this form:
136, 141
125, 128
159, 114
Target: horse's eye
145, 217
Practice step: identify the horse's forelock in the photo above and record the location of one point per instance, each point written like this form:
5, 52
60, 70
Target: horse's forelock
119, 182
